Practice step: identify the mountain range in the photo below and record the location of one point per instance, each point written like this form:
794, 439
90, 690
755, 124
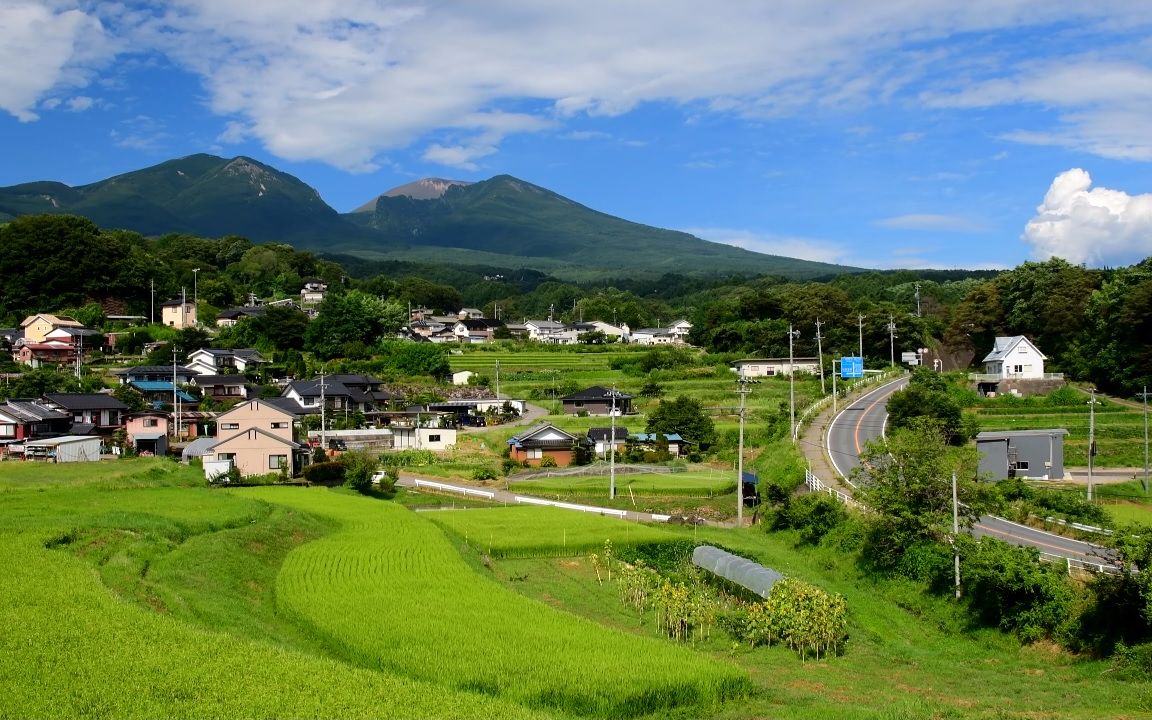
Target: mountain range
501, 222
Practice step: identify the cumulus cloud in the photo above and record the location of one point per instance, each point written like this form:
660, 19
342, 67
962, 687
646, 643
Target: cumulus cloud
1089, 225
346, 81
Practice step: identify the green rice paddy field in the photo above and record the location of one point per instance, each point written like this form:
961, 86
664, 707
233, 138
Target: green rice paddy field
131, 591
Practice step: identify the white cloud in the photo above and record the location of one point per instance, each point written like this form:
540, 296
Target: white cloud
771, 244
939, 223
346, 81
39, 44
1089, 225
80, 103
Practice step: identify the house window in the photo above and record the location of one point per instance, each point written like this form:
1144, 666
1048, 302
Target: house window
151, 422
535, 454
433, 438
7, 430
229, 426
309, 401
1017, 369
577, 403
280, 425
1021, 464
275, 462
226, 456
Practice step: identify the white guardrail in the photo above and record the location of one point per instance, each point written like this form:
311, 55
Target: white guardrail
571, 506
815, 408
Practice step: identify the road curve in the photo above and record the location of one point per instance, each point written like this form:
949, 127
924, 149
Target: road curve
866, 418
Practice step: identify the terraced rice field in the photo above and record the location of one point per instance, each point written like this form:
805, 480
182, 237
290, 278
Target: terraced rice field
685, 484
388, 590
522, 532
71, 647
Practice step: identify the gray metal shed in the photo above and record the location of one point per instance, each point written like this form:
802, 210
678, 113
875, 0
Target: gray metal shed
1033, 454
70, 448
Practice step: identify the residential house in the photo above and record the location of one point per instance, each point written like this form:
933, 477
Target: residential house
231, 316
771, 367
82, 338
597, 400
36, 327
613, 331
547, 440
477, 412
37, 354
470, 314
341, 393
224, 361
148, 431
225, 388
162, 393
428, 328
178, 313
1015, 358
313, 292
603, 439
98, 412
652, 336
258, 438
1034, 454
26, 419
156, 373
650, 441
476, 330
549, 331
8, 338
680, 330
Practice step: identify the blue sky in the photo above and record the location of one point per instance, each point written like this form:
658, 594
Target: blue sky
888, 133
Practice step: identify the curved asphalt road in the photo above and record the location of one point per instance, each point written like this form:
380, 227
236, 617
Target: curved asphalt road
865, 419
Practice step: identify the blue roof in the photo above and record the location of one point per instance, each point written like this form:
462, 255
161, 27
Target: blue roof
161, 386
651, 437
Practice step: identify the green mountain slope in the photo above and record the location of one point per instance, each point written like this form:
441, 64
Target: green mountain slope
502, 222
200, 194
536, 227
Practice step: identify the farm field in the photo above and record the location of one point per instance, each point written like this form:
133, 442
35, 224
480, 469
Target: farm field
290, 602
544, 531
1119, 429
388, 590
705, 484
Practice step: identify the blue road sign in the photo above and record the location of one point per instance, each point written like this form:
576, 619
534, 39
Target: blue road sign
851, 367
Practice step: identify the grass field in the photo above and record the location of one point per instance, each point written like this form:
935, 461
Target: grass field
544, 531
685, 484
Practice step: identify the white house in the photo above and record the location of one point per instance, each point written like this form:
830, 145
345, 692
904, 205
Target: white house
770, 367
609, 329
1015, 358
680, 330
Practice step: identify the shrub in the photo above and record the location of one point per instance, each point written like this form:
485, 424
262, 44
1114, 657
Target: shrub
507, 465
1133, 662
483, 474
328, 474
360, 468
812, 515
548, 462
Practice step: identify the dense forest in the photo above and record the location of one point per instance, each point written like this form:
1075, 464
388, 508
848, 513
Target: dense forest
1093, 324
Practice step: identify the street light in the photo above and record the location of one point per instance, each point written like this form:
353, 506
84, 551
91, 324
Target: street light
612, 395
792, 334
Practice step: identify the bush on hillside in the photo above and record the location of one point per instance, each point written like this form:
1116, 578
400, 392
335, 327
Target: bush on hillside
328, 474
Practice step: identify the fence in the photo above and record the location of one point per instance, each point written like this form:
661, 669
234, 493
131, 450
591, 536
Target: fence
816, 485
808, 413
443, 487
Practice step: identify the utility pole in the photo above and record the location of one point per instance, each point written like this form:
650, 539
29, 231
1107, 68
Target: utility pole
955, 534
860, 320
917, 285
323, 414
891, 341
183, 307
497, 378
834, 373
612, 395
792, 334
1091, 439
742, 388
196, 294
1144, 395
175, 398
152, 307
820, 354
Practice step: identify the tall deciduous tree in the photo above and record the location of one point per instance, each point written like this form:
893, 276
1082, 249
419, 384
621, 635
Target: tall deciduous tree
684, 416
907, 483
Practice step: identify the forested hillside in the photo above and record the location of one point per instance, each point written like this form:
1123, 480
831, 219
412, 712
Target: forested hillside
1092, 324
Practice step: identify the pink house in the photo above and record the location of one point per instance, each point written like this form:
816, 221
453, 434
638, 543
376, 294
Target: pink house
258, 438
148, 431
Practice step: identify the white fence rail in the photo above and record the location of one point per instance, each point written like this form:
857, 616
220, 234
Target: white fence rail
571, 506
465, 491
816, 485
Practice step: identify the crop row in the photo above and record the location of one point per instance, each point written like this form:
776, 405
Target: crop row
681, 485
415, 607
